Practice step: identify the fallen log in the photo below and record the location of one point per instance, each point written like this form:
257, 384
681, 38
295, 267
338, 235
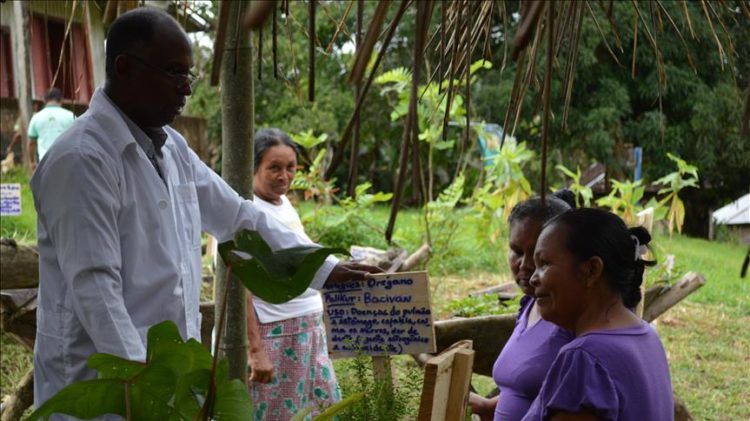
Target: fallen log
669, 297
416, 258
20, 265
18, 315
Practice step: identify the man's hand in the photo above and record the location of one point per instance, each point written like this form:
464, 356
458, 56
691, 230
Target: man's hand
261, 366
349, 271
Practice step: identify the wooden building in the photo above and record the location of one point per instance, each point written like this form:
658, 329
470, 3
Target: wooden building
63, 42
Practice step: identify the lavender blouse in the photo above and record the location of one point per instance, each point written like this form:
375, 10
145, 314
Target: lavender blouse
522, 365
618, 374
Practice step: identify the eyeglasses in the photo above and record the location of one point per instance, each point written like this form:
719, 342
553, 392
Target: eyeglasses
180, 79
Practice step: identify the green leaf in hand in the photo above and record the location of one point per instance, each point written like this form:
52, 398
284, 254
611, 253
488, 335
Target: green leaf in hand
274, 276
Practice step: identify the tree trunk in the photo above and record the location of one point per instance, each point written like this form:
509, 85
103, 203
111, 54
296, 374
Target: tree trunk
237, 117
21, 27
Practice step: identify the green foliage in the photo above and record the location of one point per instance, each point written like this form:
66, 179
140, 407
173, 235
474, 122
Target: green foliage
582, 192
331, 413
482, 305
624, 200
307, 140
275, 276
431, 109
313, 181
685, 176
172, 384
441, 219
505, 186
344, 225
380, 401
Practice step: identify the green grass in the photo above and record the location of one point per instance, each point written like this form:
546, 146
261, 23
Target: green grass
719, 263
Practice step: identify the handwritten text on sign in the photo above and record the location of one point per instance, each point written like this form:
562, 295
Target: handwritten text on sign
10, 199
385, 315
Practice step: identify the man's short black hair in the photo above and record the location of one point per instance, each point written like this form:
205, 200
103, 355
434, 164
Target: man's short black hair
53, 94
137, 26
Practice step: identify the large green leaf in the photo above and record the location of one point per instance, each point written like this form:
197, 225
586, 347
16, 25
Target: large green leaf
275, 276
113, 367
85, 400
232, 401
171, 385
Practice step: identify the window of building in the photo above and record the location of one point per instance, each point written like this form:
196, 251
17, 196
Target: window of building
7, 88
60, 61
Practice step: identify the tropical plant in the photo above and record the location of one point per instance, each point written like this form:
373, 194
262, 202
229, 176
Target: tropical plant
313, 181
440, 220
383, 398
347, 223
308, 140
685, 176
624, 199
582, 192
505, 185
432, 108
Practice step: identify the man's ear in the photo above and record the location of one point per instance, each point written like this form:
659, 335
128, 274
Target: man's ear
592, 270
122, 67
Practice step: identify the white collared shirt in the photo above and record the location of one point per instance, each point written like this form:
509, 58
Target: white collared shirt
120, 251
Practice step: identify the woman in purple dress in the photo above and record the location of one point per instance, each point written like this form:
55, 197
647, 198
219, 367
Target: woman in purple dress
588, 275
521, 366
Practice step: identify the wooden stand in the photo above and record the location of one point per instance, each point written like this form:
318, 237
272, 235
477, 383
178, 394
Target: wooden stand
447, 377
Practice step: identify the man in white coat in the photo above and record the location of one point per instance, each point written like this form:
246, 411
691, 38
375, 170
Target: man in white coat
121, 202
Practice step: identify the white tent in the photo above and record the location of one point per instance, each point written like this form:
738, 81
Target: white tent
735, 213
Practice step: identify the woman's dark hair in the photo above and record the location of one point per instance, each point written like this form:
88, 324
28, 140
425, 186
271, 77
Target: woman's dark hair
595, 232
137, 26
268, 138
554, 204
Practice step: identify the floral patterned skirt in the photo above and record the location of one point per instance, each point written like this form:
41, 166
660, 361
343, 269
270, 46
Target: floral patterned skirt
303, 374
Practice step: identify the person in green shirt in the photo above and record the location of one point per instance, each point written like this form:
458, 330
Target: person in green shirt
46, 125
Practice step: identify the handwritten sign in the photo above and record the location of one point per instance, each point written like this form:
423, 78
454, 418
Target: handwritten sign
388, 314
10, 199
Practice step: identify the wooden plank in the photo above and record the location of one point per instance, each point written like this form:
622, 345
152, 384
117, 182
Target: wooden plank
460, 382
437, 383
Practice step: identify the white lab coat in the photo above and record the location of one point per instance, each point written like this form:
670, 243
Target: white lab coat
118, 250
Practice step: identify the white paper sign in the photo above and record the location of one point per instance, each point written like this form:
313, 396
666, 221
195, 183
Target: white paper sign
388, 314
10, 199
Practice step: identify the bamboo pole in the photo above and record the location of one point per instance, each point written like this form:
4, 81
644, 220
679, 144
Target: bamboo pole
238, 115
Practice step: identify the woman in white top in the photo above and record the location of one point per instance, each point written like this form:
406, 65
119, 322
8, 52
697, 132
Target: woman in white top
288, 353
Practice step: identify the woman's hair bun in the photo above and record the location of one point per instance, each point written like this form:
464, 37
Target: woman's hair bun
641, 234
567, 196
